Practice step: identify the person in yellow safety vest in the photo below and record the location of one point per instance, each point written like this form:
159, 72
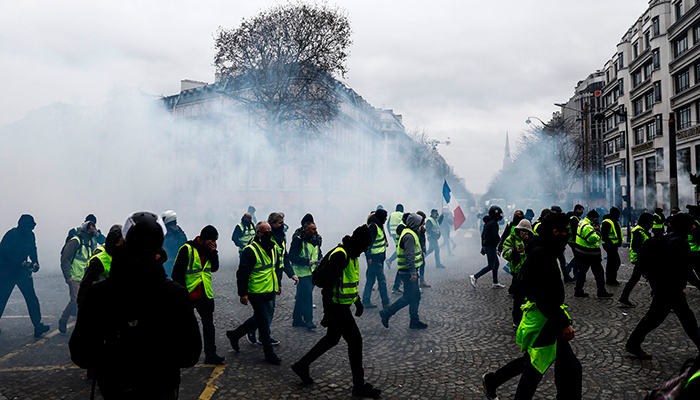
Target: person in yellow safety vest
611, 236
258, 284
409, 262
375, 255
694, 242
74, 261
432, 228
588, 255
342, 262
659, 219
518, 216
305, 254
536, 225
195, 262
514, 251
392, 224
574, 218
243, 232
546, 328
396, 287
640, 234
101, 261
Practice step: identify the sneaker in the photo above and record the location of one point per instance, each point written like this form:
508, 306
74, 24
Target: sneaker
251, 338
417, 325
440, 266
303, 373
214, 359
369, 305
299, 324
626, 303
498, 286
234, 341
604, 295
425, 284
472, 280
581, 294
40, 329
272, 358
366, 391
396, 291
62, 326
489, 389
310, 326
638, 352
384, 314
313, 306
273, 342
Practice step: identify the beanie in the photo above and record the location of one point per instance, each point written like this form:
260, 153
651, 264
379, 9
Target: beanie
209, 233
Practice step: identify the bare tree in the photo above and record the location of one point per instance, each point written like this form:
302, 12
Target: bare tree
281, 64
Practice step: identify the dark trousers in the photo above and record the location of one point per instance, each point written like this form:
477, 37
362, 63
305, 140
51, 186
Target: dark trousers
492, 258
433, 246
518, 299
584, 262
568, 375
397, 281
410, 298
341, 325
562, 265
375, 272
23, 279
636, 275
571, 266
263, 309
303, 304
613, 264
205, 309
661, 306
72, 306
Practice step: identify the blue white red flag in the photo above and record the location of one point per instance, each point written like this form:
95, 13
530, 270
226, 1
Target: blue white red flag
457, 213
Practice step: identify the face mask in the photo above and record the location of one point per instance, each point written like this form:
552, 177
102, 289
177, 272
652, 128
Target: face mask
279, 230
516, 220
579, 214
266, 240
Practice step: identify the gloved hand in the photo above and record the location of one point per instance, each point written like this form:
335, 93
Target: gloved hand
483, 253
359, 308
327, 320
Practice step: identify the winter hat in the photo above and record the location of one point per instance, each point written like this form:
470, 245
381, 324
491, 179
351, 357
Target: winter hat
593, 214
209, 233
169, 216
361, 238
556, 209
26, 221
399, 207
529, 214
524, 225
307, 218
615, 212
92, 218
380, 214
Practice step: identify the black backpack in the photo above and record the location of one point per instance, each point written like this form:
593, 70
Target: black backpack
323, 276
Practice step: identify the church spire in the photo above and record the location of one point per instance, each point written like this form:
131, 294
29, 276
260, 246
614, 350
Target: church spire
506, 158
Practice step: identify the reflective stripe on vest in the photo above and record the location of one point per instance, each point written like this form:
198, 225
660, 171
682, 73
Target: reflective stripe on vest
400, 251
574, 232
195, 274
612, 235
657, 222
394, 221
585, 231
248, 233
694, 246
634, 257
309, 252
379, 244
434, 226
263, 278
535, 227
281, 249
81, 258
695, 376
104, 257
510, 245
346, 291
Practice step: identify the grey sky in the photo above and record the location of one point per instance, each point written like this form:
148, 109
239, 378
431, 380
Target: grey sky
464, 69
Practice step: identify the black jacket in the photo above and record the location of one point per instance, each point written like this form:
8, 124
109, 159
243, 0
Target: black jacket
296, 255
134, 317
374, 226
667, 264
17, 244
245, 268
489, 236
183, 259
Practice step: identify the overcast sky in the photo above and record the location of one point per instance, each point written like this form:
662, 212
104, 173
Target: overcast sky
464, 69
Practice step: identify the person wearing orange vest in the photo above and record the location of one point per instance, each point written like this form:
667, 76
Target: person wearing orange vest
195, 262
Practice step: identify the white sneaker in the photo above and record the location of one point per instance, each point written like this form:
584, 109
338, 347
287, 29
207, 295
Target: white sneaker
472, 280
498, 286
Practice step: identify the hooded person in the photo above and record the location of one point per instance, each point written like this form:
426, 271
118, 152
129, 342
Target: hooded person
101, 262
342, 261
611, 236
640, 234
174, 239
588, 255
134, 317
446, 229
409, 261
514, 251
18, 260
489, 246
659, 219
244, 232
305, 255
375, 255
529, 214
574, 219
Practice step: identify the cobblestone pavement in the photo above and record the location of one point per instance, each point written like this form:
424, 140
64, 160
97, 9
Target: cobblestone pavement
470, 333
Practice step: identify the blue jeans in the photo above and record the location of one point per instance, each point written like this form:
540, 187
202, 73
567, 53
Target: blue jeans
410, 298
263, 310
492, 257
303, 305
375, 271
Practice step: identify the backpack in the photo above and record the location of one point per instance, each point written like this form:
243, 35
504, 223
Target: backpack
323, 276
71, 233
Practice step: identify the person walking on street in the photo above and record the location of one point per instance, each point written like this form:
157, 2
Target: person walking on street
99, 237
507, 231
257, 284
342, 264
396, 288
667, 284
514, 250
546, 328
446, 230
375, 255
243, 232
432, 228
659, 220
409, 260
588, 255
611, 236
100, 263
74, 260
174, 239
394, 220
305, 254
18, 260
489, 246
640, 234
574, 218
195, 262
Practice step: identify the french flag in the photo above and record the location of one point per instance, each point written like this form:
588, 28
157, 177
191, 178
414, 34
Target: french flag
453, 205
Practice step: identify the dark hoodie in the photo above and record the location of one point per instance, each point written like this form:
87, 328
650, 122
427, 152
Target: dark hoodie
18, 244
489, 236
353, 245
174, 239
126, 322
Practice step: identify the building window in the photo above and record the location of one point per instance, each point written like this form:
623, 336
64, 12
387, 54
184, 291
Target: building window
697, 72
607, 100
609, 123
683, 157
680, 45
647, 70
660, 159
656, 58
651, 130
659, 125
679, 10
621, 85
649, 100
622, 139
636, 78
684, 118
639, 135
638, 106
609, 147
647, 39
621, 60
657, 91
682, 80
696, 33
635, 50
638, 173
655, 27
